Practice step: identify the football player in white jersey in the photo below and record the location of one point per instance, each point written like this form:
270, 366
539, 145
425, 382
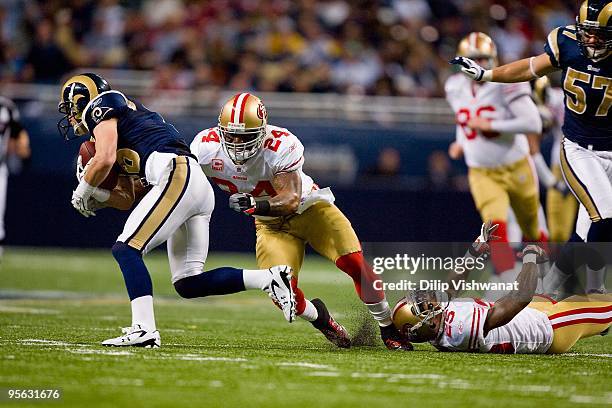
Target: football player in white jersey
260, 166
492, 120
14, 140
517, 323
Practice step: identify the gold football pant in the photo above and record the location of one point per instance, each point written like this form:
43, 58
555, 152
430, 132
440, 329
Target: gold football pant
561, 211
495, 189
575, 318
282, 241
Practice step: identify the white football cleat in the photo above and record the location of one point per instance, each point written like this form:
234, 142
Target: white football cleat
135, 336
280, 290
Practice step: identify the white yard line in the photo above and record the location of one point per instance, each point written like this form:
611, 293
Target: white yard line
305, 365
588, 355
28, 310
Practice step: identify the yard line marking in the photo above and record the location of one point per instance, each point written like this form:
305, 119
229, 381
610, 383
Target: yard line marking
305, 365
591, 399
100, 352
43, 342
588, 355
323, 374
28, 310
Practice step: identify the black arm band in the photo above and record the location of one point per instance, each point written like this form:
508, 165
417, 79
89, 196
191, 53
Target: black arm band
262, 207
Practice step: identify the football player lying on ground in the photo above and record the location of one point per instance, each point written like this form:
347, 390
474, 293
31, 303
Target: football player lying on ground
260, 165
517, 323
177, 208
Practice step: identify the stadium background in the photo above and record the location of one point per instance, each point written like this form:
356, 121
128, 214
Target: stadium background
360, 82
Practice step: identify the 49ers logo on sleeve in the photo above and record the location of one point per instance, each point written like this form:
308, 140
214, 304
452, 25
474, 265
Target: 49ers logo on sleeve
216, 164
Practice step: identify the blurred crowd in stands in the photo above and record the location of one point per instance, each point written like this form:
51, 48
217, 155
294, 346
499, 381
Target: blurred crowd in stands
384, 47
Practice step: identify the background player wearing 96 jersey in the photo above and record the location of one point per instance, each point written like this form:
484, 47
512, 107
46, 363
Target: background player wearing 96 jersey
491, 122
582, 52
260, 165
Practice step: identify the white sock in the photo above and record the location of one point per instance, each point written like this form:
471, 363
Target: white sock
595, 279
553, 280
310, 312
381, 312
255, 278
142, 312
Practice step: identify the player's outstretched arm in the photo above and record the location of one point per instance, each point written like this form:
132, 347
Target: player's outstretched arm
517, 71
504, 310
106, 152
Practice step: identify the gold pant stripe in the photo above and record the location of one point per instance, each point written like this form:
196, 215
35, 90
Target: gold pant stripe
578, 188
167, 201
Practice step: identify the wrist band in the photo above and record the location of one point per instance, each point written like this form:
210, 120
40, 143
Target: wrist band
487, 76
530, 258
101, 195
84, 189
262, 207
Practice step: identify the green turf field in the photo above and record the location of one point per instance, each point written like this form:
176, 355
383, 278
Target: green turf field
55, 307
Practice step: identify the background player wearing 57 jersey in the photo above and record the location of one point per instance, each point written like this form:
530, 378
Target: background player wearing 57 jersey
177, 208
260, 165
492, 120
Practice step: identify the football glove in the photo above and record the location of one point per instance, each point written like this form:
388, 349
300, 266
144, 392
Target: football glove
561, 187
471, 69
242, 202
480, 246
533, 253
80, 198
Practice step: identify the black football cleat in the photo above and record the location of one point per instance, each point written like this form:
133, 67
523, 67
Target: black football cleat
393, 339
331, 329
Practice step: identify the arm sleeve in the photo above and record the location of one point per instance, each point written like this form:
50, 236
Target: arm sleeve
526, 117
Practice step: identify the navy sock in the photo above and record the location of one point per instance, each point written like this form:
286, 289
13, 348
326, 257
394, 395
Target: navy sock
220, 281
135, 273
600, 231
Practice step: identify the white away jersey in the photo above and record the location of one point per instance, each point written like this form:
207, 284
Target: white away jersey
280, 152
490, 100
556, 104
529, 332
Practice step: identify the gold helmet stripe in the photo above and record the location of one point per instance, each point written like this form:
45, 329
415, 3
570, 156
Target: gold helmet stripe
553, 44
85, 80
604, 15
584, 9
240, 102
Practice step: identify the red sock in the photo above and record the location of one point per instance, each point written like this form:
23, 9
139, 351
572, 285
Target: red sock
299, 298
355, 266
502, 255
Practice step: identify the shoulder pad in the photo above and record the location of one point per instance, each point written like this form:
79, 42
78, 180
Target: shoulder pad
283, 150
205, 144
557, 40
105, 106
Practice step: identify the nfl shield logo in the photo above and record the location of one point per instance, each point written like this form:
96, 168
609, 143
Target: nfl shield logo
217, 165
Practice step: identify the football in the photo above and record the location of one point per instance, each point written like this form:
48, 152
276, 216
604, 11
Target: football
87, 151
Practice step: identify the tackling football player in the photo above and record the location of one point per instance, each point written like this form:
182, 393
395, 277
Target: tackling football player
177, 208
582, 52
517, 323
260, 165
492, 120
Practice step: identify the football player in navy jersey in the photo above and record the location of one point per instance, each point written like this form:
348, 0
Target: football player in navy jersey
582, 52
177, 208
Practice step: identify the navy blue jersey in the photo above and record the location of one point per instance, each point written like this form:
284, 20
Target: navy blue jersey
140, 131
588, 90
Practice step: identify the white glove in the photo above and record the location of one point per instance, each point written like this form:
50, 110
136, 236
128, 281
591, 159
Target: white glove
481, 247
80, 169
80, 198
472, 69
